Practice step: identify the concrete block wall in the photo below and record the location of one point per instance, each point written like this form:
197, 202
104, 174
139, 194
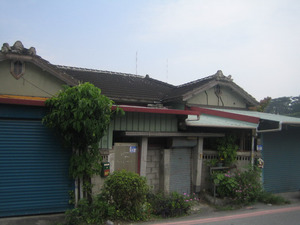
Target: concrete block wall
152, 169
97, 180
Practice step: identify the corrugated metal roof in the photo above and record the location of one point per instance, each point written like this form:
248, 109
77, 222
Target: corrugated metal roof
207, 120
264, 116
216, 121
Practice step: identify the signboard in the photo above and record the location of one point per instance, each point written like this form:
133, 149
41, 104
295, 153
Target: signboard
259, 147
132, 149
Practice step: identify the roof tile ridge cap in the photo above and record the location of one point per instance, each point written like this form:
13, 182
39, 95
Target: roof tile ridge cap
196, 81
97, 71
53, 66
159, 81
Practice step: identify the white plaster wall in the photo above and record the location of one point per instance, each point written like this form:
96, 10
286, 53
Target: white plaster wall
229, 98
35, 82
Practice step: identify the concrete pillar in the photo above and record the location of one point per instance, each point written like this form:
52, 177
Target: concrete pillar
166, 170
197, 165
144, 150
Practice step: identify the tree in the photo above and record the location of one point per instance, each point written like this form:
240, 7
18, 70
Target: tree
263, 104
289, 106
81, 115
279, 106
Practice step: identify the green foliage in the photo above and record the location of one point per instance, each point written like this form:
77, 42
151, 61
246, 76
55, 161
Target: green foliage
227, 149
226, 183
249, 185
263, 104
170, 205
242, 187
126, 197
269, 198
211, 163
96, 212
127, 191
81, 116
289, 106
85, 163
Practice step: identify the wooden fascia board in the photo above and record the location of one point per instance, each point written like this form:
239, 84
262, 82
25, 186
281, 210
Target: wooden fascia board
44, 66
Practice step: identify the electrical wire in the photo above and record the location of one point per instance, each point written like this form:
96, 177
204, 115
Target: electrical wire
36, 86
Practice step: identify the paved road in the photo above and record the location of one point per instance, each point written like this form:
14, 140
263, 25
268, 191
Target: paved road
280, 216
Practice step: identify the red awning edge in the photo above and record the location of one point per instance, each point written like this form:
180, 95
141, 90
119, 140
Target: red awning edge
235, 116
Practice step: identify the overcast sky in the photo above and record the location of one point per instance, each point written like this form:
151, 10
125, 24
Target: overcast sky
176, 41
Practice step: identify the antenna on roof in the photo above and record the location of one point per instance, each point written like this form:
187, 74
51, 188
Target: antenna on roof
167, 70
136, 62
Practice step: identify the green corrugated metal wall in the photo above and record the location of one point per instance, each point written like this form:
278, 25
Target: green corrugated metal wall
281, 153
132, 121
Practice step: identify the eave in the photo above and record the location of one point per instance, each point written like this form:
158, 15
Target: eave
228, 115
22, 100
38, 101
127, 108
170, 134
43, 64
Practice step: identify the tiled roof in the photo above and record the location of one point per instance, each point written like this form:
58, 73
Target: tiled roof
180, 90
122, 86
183, 91
134, 88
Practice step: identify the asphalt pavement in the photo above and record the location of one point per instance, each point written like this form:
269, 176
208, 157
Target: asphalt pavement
207, 213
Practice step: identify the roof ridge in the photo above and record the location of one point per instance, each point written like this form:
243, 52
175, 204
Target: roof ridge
196, 81
218, 76
160, 82
97, 71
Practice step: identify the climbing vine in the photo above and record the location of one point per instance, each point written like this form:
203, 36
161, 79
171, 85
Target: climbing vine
81, 115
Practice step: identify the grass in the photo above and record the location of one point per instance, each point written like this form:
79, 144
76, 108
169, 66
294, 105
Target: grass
269, 198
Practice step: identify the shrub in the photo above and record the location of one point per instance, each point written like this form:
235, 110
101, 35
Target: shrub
249, 186
96, 212
226, 184
242, 187
171, 205
227, 149
126, 192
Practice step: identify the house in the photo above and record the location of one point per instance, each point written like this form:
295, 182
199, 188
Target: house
165, 135
278, 138
169, 154
34, 164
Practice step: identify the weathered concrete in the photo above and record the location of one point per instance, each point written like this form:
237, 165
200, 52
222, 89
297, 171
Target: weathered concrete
33, 220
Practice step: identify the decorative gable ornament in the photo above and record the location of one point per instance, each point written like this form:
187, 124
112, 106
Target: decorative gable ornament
17, 48
17, 68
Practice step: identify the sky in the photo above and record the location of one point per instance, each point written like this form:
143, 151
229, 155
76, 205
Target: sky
257, 42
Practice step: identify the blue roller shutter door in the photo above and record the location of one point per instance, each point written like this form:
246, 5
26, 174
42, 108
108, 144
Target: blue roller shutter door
281, 152
34, 175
